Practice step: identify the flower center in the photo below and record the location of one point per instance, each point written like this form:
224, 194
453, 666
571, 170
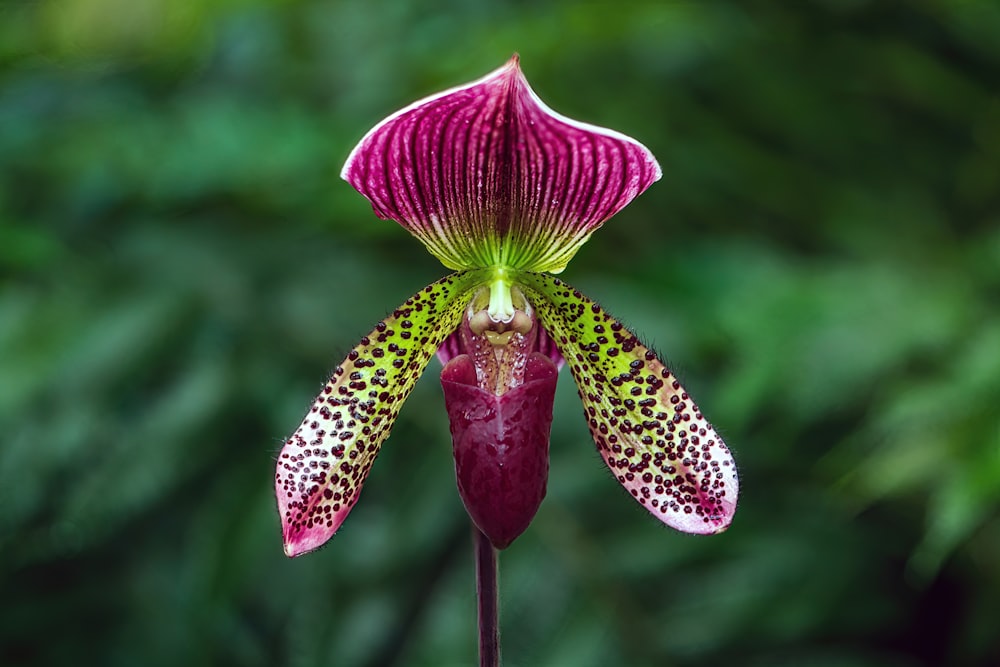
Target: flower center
506, 313
502, 308
499, 346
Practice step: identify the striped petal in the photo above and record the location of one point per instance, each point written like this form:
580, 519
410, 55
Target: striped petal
647, 428
486, 174
323, 464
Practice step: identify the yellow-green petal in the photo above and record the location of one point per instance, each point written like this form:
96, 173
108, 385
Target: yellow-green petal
647, 428
323, 465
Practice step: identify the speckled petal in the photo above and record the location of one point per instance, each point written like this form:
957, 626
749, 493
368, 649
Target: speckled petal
486, 174
323, 464
647, 428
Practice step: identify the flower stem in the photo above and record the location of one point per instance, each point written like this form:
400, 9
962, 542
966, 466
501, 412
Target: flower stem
486, 594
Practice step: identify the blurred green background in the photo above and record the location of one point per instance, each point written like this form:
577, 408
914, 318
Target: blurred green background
181, 267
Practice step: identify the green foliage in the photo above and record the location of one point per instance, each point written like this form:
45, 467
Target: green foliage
180, 267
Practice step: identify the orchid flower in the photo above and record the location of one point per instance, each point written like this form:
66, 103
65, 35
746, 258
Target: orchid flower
504, 191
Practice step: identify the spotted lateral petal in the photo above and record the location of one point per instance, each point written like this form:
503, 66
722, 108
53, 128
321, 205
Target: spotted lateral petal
324, 463
486, 174
647, 428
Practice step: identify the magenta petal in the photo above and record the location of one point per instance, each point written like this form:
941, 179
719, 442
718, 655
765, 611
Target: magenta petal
450, 348
486, 174
501, 445
548, 347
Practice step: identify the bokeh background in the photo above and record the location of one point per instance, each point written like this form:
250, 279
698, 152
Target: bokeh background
181, 267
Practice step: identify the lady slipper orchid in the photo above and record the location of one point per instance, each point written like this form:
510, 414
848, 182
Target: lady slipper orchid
504, 191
